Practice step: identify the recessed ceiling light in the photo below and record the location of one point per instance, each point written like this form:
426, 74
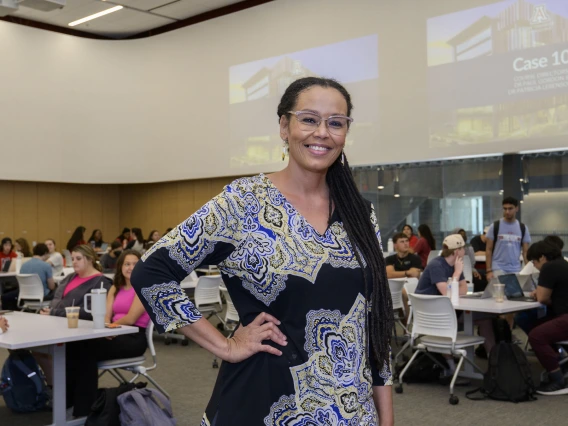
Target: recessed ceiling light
95, 16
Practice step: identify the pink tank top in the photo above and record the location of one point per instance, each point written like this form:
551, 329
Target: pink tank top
121, 305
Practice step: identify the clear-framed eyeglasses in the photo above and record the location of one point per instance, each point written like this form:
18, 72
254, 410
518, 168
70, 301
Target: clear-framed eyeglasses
335, 124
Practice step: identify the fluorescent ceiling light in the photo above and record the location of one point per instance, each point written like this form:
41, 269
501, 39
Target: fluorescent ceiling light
95, 16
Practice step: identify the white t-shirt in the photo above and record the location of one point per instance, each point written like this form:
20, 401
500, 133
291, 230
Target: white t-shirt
56, 261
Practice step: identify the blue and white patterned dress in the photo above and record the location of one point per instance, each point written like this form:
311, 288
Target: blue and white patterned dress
272, 260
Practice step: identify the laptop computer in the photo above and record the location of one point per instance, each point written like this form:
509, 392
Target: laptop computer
513, 289
104, 247
485, 294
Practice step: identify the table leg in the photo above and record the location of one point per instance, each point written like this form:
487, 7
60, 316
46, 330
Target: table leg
468, 370
59, 389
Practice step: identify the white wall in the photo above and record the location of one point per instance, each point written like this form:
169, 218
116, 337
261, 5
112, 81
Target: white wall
157, 109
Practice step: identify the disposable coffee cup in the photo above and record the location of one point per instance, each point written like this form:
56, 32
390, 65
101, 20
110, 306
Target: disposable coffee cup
72, 313
499, 292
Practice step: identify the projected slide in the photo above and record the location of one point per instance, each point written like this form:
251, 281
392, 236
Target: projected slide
256, 88
499, 72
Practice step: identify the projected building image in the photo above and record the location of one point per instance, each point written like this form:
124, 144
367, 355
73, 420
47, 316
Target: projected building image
256, 88
500, 49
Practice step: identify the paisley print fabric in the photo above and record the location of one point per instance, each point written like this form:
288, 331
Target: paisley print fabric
272, 260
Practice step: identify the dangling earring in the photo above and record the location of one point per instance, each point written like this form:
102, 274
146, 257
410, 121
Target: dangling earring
342, 158
284, 150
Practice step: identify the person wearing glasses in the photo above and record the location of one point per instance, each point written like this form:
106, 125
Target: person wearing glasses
299, 253
506, 238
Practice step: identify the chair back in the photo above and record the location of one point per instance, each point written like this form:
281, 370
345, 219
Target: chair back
67, 256
395, 287
433, 316
410, 285
231, 314
150, 341
31, 287
432, 255
207, 291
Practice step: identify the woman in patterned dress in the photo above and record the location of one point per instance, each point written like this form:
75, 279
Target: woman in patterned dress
312, 347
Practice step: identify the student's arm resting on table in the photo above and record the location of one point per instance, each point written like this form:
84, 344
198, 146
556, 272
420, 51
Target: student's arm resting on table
392, 274
209, 236
544, 295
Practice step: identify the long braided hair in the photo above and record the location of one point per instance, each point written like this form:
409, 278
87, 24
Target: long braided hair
354, 212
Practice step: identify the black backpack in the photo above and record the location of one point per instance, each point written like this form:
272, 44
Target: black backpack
508, 376
105, 410
23, 384
423, 369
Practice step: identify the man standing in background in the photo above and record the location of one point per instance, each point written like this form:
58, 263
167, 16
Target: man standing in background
506, 238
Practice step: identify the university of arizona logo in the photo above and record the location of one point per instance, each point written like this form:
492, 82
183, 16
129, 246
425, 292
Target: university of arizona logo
540, 18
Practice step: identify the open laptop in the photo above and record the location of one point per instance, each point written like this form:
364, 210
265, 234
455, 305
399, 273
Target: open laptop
485, 294
104, 247
513, 289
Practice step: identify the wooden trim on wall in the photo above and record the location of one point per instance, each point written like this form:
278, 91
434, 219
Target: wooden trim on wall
212, 14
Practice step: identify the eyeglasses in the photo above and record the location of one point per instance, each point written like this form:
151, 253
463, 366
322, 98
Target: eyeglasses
335, 124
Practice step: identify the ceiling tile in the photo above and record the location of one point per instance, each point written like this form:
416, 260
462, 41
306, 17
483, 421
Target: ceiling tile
143, 4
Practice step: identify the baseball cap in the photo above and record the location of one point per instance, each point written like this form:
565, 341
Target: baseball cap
454, 241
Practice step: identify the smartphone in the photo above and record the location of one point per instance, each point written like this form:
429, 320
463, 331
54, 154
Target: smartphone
112, 326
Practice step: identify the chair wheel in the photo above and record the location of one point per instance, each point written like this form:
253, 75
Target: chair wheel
185, 342
174, 341
215, 364
398, 388
167, 342
454, 400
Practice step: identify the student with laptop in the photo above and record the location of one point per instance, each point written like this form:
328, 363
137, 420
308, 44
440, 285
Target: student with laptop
7, 253
552, 291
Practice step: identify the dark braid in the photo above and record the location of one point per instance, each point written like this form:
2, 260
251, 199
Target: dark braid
355, 215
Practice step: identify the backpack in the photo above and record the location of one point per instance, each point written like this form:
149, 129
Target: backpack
496, 231
424, 370
23, 384
141, 407
508, 376
501, 330
105, 410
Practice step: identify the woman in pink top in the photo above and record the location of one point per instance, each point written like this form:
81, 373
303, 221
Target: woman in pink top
123, 308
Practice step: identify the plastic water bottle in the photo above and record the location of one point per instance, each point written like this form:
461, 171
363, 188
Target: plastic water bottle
390, 246
18, 263
449, 288
455, 292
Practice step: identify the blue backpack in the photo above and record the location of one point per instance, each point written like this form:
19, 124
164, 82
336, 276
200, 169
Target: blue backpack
22, 384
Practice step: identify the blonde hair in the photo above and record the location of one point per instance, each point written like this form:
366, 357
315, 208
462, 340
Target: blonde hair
88, 252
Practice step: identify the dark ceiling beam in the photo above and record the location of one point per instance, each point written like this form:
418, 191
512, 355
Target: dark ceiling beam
54, 28
212, 14
192, 20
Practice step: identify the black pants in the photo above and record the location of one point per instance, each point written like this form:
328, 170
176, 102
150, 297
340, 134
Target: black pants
82, 372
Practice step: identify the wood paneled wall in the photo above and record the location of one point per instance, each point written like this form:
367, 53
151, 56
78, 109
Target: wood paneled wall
37, 211
164, 205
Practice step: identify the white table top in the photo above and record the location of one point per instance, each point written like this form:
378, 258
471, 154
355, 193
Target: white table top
31, 330
491, 306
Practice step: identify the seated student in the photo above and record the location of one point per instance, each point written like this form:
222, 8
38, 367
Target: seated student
4, 326
77, 238
409, 232
425, 244
529, 268
153, 238
36, 265
96, 240
7, 252
123, 308
73, 288
108, 261
124, 237
479, 243
434, 281
22, 247
403, 264
138, 242
552, 291
55, 258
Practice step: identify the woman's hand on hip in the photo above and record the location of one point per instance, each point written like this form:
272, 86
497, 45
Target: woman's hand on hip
247, 340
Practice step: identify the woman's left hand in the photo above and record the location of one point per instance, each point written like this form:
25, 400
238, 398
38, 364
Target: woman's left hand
4, 326
45, 311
